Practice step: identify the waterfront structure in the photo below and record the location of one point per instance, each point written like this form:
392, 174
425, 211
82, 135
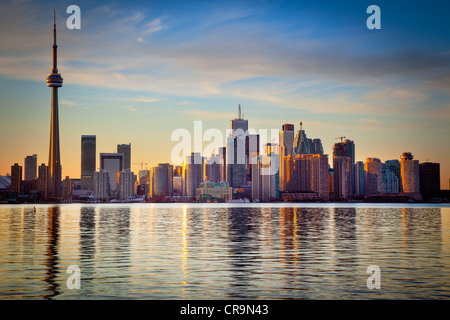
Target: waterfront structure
430, 179
16, 178
101, 186
359, 179
125, 149
209, 190
54, 81
192, 174
113, 164
410, 175
88, 161
126, 184
373, 177
30, 167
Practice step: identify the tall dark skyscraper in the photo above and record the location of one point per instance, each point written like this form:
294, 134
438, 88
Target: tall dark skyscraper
16, 177
54, 81
430, 179
88, 149
31, 167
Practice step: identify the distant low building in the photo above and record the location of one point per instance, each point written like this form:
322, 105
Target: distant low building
214, 190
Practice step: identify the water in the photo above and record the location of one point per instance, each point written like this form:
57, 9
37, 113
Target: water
217, 251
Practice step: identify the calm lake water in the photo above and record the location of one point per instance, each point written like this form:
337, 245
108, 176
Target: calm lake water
217, 251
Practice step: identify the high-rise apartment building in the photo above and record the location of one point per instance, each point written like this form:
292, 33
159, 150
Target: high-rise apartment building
102, 186
373, 177
126, 184
410, 174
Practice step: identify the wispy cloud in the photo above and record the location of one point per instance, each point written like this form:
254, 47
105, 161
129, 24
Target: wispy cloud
145, 99
131, 108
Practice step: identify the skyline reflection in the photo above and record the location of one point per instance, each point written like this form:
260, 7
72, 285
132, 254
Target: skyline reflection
162, 252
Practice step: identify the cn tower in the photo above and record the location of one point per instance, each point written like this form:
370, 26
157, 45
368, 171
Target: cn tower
54, 80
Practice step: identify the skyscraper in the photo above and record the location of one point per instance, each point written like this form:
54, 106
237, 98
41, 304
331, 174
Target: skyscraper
239, 125
308, 173
192, 174
342, 177
286, 148
30, 167
101, 185
236, 166
162, 180
409, 170
16, 178
43, 181
54, 81
430, 179
394, 167
236, 155
113, 164
347, 149
212, 168
126, 150
304, 145
359, 178
126, 184
88, 152
373, 177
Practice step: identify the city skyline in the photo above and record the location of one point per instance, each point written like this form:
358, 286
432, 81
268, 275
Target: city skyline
147, 115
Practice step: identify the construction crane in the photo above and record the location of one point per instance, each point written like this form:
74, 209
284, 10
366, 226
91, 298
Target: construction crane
141, 163
342, 138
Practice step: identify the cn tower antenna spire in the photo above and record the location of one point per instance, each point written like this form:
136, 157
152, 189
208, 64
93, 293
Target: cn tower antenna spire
54, 81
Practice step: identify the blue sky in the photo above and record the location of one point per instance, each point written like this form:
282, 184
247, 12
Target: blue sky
138, 70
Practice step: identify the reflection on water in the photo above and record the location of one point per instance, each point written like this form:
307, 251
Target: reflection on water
213, 252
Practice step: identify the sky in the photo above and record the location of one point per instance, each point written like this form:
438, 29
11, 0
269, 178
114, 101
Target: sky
138, 70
